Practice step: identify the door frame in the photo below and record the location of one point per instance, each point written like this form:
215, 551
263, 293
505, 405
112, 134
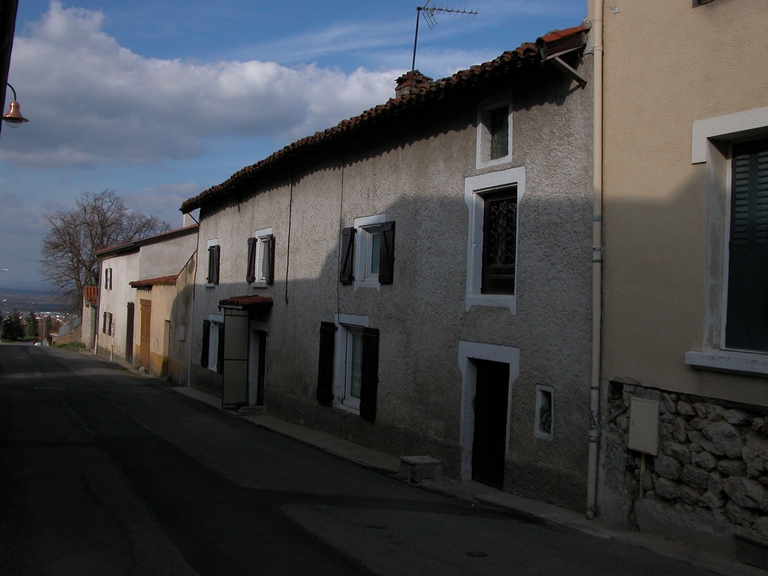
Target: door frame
257, 344
129, 325
469, 351
145, 305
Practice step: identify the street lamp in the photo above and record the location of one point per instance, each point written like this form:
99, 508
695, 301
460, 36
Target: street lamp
13, 117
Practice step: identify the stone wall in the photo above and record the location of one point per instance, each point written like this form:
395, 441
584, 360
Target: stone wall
711, 464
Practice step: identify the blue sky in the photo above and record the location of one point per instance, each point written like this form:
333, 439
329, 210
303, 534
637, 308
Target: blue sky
161, 99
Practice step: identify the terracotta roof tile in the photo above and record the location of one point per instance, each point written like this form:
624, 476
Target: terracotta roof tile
523, 55
246, 302
149, 282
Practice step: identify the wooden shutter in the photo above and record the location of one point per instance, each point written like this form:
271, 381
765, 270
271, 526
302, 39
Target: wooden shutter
220, 351
211, 264
387, 247
347, 268
250, 274
217, 263
270, 256
325, 370
369, 384
206, 343
747, 314
104, 323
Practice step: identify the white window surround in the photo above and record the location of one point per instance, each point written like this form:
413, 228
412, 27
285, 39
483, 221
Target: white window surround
261, 276
212, 242
363, 245
711, 140
479, 351
483, 148
474, 186
340, 372
213, 341
537, 432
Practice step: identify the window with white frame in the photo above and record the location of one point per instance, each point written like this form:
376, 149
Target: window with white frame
212, 354
368, 252
214, 262
735, 148
349, 360
261, 258
494, 133
493, 200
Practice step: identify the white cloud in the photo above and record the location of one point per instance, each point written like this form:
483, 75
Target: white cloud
90, 100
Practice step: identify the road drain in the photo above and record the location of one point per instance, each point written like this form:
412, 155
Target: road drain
477, 554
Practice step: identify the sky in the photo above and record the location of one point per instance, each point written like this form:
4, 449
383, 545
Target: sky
159, 100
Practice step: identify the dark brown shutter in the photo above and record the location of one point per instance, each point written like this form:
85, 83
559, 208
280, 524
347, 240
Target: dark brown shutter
104, 322
206, 343
211, 264
270, 256
347, 268
369, 384
250, 274
387, 247
220, 359
325, 370
217, 263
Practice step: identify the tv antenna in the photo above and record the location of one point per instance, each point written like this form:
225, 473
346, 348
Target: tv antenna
429, 16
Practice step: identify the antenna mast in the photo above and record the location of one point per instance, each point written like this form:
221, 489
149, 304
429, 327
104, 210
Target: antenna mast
429, 16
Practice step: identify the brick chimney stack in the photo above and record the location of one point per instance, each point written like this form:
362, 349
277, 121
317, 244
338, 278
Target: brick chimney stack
410, 81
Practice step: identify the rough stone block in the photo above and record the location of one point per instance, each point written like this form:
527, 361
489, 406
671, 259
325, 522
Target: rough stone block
755, 454
666, 404
688, 495
700, 409
667, 467
737, 417
704, 460
739, 515
714, 412
725, 438
668, 418
647, 480
711, 500
678, 451
715, 483
698, 438
732, 467
695, 477
696, 423
667, 489
414, 469
760, 527
685, 408
757, 423
666, 432
679, 432
746, 493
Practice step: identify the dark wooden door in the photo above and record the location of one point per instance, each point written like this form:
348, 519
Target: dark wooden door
129, 332
146, 315
490, 437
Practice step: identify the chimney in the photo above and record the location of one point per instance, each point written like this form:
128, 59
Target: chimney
187, 220
411, 81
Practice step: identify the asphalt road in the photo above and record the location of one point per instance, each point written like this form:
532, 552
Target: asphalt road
104, 472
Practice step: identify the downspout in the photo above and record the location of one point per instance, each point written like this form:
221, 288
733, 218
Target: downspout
597, 258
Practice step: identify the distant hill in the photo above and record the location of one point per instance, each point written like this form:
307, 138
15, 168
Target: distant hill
26, 299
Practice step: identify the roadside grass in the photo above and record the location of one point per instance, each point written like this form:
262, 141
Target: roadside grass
71, 346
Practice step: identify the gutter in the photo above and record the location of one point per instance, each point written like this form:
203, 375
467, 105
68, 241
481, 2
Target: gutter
597, 260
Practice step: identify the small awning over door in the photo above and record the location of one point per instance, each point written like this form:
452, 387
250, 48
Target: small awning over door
246, 302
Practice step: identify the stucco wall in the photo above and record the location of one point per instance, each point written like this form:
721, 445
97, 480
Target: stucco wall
167, 257
125, 268
655, 204
415, 173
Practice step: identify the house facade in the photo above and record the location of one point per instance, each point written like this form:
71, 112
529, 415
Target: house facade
685, 315
139, 297
418, 278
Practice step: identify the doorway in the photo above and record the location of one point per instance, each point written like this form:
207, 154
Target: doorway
489, 444
129, 332
146, 316
256, 357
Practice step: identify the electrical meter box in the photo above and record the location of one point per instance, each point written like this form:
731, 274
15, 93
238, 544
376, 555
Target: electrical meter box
644, 425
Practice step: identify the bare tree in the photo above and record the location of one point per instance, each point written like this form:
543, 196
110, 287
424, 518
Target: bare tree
96, 221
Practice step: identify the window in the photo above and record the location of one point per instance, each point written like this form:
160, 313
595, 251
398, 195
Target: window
212, 356
545, 410
499, 241
368, 252
735, 149
214, 262
349, 365
492, 246
106, 324
494, 134
261, 258
108, 278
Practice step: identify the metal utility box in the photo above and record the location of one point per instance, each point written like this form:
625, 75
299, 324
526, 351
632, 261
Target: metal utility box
644, 425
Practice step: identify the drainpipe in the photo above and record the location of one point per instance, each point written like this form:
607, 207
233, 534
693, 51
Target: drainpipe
597, 258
